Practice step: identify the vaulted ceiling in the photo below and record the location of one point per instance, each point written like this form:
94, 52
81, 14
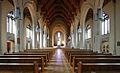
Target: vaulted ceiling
58, 10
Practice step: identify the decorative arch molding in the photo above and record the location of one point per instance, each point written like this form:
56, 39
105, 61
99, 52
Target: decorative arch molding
33, 13
27, 21
84, 11
32, 10
85, 8
58, 29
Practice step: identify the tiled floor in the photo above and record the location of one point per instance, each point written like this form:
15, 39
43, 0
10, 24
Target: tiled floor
58, 64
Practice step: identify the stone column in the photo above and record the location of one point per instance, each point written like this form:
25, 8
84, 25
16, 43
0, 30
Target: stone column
41, 37
79, 39
38, 40
34, 38
22, 35
76, 37
72, 37
21, 31
45, 37
17, 35
0, 28
44, 40
83, 36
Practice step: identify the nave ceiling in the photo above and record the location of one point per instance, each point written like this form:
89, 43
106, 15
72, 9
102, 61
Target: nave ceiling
53, 11
58, 10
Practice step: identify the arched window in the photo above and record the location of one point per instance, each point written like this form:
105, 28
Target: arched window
29, 31
88, 31
11, 27
59, 38
105, 24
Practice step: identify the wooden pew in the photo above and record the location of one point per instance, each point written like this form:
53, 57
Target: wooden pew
72, 57
23, 53
19, 68
98, 67
51, 52
24, 60
48, 50
26, 56
69, 52
94, 60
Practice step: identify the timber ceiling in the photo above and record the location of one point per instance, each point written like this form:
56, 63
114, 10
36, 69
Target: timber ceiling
26, 13
61, 10
11, 1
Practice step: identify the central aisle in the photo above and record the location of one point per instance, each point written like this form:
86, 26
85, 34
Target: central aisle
58, 63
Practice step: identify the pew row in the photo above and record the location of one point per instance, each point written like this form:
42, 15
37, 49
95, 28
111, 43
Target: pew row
19, 68
24, 60
98, 67
94, 60
48, 58
72, 57
27, 56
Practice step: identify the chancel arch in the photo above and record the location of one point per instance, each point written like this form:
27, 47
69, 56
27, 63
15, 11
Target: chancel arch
59, 30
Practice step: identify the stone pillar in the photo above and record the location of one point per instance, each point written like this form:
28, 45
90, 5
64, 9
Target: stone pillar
38, 39
3, 26
0, 28
17, 36
79, 39
45, 37
74, 32
22, 34
72, 37
76, 37
44, 40
83, 36
34, 38
41, 37
48, 40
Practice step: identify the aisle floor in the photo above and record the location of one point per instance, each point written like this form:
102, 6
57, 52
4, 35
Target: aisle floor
58, 64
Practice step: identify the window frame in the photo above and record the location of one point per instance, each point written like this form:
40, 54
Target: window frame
88, 32
105, 24
11, 22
